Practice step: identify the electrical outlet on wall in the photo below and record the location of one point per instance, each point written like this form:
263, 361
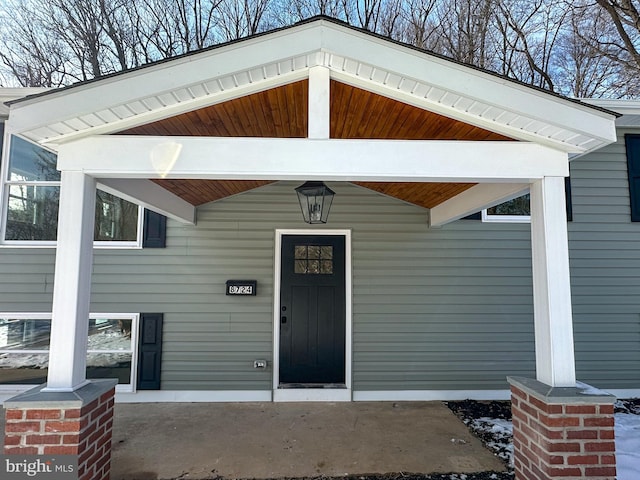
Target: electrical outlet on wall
260, 364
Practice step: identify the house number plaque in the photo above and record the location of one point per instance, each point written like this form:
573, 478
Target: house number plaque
241, 287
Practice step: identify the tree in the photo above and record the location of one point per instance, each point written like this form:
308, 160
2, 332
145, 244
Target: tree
574, 47
240, 18
464, 31
531, 30
417, 25
626, 18
580, 68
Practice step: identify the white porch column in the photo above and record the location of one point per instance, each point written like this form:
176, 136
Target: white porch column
72, 285
555, 360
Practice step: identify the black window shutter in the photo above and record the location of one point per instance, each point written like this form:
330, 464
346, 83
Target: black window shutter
633, 164
154, 232
567, 193
150, 351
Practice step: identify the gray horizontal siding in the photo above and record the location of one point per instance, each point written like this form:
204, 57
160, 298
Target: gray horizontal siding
26, 279
446, 308
605, 270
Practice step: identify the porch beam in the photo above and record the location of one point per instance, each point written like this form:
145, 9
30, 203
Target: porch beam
151, 196
476, 198
72, 283
555, 358
311, 159
319, 98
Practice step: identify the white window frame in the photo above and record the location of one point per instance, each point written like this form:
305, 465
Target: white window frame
488, 218
4, 210
135, 321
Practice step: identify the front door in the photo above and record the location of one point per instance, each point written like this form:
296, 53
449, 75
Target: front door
312, 311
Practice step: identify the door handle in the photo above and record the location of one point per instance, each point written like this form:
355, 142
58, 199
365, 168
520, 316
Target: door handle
283, 319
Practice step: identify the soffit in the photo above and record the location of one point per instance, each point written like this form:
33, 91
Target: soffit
199, 192
427, 195
282, 112
279, 112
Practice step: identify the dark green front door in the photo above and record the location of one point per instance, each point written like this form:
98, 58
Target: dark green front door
312, 310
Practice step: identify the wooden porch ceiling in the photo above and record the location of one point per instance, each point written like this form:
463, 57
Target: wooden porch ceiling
282, 113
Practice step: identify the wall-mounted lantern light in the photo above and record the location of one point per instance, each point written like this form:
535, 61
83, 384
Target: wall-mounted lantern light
315, 201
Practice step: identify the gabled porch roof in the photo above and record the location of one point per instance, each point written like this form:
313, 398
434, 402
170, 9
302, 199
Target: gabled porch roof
259, 87
353, 56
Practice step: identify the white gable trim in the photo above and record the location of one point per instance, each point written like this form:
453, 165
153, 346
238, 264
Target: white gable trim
368, 61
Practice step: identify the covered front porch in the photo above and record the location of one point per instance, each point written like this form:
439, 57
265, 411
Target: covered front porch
285, 440
484, 141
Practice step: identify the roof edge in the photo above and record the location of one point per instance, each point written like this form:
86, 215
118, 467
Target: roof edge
309, 21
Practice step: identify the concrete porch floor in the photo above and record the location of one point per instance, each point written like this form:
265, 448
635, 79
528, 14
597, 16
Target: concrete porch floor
266, 440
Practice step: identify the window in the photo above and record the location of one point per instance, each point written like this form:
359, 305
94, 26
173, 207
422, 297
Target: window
32, 192
24, 348
313, 259
518, 210
31, 195
515, 210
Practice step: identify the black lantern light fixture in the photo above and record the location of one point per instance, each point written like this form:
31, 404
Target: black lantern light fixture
315, 201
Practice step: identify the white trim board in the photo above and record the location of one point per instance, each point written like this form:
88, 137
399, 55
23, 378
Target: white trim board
312, 394
428, 395
151, 396
200, 396
216, 396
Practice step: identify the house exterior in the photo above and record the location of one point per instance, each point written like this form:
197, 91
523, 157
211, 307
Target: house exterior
431, 311
219, 291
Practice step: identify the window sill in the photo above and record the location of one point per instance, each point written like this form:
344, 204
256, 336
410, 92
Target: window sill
96, 245
486, 218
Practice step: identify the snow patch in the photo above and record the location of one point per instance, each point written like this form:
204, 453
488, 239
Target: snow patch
628, 446
501, 434
497, 434
589, 390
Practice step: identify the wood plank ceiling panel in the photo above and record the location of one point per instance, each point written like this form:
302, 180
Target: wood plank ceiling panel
279, 112
282, 113
198, 192
356, 113
427, 195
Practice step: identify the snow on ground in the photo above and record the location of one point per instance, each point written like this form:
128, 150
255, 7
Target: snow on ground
501, 432
628, 446
627, 421
628, 439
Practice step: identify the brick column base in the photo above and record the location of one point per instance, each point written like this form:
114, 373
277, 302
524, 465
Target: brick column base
562, 433
64, 423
